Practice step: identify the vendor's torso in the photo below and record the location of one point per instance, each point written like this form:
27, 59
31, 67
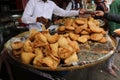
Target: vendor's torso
44, 9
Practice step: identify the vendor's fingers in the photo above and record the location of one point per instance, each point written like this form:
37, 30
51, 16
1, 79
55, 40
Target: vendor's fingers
82, 11
42, 20
99, 13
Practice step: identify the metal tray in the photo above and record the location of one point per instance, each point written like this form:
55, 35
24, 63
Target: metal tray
87, 57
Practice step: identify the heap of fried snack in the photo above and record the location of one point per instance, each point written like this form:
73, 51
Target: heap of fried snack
44, 49
83, 29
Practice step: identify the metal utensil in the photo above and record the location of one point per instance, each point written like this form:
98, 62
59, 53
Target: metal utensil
14, 18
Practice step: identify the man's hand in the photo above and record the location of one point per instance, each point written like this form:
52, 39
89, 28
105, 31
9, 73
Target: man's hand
82, 11
99, 13
42, 20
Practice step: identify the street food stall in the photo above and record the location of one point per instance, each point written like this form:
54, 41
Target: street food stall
71, 45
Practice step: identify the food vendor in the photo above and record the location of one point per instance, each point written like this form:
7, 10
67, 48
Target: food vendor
38, 12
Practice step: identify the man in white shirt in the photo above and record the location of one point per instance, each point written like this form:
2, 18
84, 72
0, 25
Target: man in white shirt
37, 12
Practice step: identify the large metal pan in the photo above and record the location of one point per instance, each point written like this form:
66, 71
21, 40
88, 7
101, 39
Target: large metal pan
79, 65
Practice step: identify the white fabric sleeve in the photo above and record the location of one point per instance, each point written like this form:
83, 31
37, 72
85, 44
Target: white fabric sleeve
27, 14
64, 13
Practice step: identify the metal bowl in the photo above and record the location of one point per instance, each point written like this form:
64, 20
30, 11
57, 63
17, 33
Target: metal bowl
14, 18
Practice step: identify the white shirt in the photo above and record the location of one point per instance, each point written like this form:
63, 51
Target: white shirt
38, 8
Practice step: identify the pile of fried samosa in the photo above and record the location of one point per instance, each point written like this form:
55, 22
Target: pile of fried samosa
44, 49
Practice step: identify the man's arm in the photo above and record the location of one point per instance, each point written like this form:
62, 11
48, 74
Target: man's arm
112, 17
64, 13
109, 16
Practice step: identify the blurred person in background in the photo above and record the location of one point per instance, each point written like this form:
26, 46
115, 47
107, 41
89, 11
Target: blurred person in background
108, 3
100, 5
74, 5
114, 9
113, 18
